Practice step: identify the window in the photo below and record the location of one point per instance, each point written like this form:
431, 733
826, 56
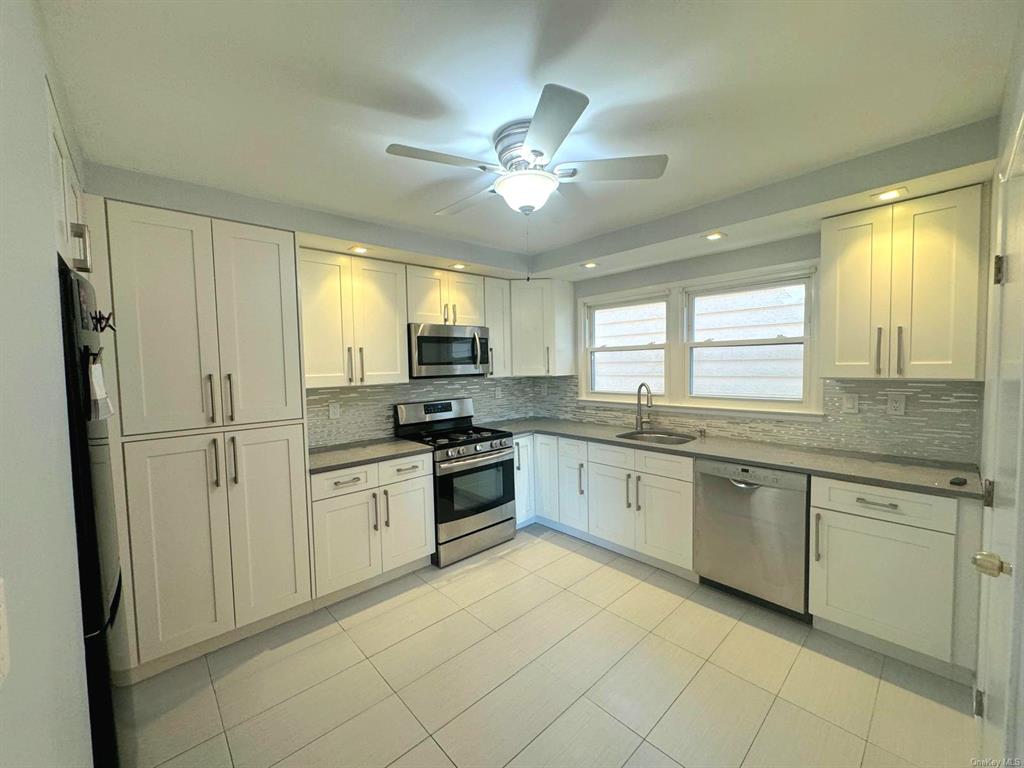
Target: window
627, 346
748, 342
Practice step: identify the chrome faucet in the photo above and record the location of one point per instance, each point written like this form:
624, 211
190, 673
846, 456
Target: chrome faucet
640, 420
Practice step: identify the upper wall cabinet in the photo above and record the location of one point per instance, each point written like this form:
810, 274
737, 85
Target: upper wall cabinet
498, 319
353, 320
439, 297
207, 320
899, 289
66, 191
543, 328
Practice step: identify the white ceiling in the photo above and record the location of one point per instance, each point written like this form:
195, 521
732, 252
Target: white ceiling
295, 102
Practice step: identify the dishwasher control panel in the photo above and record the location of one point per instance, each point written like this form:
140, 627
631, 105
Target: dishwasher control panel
745, 473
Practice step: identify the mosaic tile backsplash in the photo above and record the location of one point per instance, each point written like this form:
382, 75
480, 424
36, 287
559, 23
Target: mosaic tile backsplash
942, 420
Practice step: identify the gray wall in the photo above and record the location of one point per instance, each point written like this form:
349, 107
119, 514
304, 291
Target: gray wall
43, 714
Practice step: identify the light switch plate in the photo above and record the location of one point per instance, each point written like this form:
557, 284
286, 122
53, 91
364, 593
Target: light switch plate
851, 404
5, 647
896, 405
334, 410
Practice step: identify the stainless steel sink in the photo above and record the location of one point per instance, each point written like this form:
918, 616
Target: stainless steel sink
657, 436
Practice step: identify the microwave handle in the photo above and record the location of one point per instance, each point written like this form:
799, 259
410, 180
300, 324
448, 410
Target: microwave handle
476, 348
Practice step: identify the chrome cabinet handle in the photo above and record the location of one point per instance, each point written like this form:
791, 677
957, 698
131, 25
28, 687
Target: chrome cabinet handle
350, 374
878, 352
343, 483
455, 315
547, 359
490, 358
387, 509
362, 366
519, 463
231, 396
891, 506
410, 468
638, 493
216, 462
817, 536
81, 232
899, 350
476, 348
234, 458
213, 402
446, 314
628, 504
376, 513
581, 479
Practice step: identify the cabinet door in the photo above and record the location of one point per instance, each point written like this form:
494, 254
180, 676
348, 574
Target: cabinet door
60, 163
572, 491
408, 527
428, 295
258, 321
466, 293
612, 505
181, 549
498, 319
379, 312
266, 479
856, 260
346, 540
327, 338
166, 308
664, 519
935, 260
545, 497
523, 447
890, 581
530, 354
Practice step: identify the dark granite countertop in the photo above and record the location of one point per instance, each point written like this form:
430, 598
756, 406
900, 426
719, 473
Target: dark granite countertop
888, 471
351, 454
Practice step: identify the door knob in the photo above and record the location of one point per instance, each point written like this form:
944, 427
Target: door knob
991, 564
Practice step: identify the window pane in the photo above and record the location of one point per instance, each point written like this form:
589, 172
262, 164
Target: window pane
623, 371
767, 372
630, 326
758, 313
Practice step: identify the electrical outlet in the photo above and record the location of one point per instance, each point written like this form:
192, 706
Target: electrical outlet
498, 393
334, 410
5, 647
896, 405
543, 389
851, 404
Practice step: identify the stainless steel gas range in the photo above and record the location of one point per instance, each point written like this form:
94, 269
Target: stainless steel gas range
474, 476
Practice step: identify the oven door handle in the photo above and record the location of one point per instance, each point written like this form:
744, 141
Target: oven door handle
450, 467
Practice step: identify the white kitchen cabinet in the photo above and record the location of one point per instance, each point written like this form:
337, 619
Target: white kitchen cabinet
664, 518
380, 332
899, 289
266, 481
258, 323
890, 581
545, 493
612, 507
543, 328
523, 450
498, 319
165, 302
327, 335
346, 540
180, 541
572, 483
66, 192
440, 296
408, 521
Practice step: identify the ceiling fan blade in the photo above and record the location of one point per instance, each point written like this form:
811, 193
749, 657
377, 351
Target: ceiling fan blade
613, 169
467, 202
557, 112
401, 150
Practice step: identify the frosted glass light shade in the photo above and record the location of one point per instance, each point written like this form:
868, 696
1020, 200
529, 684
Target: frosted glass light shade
526, 191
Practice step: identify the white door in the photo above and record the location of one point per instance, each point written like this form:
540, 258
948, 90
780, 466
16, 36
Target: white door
856, 257
346, 540
258, 321
327, 337
408, 528
498, 319
428, 295
664, 519
890, 581
379, 312
935, 260
572, 491
166, 308
530, 354
545, 498
612, 514
266, 472
523, 448
181, 547
1002, 623
466, 293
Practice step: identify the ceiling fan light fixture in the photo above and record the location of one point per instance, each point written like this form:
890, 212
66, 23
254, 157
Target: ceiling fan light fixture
526, 191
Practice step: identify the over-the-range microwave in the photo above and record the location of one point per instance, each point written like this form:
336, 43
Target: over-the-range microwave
448, 350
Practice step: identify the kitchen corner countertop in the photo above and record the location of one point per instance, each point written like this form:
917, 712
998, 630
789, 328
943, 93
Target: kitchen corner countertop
351, 454
888, 471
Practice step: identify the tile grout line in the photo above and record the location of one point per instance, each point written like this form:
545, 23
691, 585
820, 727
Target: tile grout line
216, 699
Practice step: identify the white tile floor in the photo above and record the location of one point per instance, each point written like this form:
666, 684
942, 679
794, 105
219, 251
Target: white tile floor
546, 651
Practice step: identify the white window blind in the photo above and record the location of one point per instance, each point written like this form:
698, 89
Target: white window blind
627, 346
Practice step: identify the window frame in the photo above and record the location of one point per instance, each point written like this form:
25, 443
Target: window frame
587, 359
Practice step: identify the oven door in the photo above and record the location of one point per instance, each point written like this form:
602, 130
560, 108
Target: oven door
448, 350
473, 493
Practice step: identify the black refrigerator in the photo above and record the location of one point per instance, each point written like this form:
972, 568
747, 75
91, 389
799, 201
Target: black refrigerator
99, 570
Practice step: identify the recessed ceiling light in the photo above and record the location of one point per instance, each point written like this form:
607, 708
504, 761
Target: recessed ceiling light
358, 249
589, 265
714, 236
458, 266
890, 194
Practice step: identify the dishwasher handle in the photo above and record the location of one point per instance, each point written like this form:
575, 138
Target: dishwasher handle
745, 486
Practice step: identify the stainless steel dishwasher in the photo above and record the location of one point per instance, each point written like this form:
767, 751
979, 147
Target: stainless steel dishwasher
750, 531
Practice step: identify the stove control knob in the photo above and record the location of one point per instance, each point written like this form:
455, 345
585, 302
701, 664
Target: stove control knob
479, 447
507, 441
463, 450
496, 444
451, 452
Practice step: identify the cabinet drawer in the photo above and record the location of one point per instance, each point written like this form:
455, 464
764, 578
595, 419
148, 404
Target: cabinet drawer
612, 455
340, 481
405, 468
665, 465
936, 513
576, 449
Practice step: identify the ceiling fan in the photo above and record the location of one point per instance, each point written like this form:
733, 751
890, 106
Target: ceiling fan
525, 149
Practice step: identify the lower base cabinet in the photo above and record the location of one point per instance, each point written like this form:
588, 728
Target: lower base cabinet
408, 531
664, 519
572, 484
545, 476
523, 455
612, 505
